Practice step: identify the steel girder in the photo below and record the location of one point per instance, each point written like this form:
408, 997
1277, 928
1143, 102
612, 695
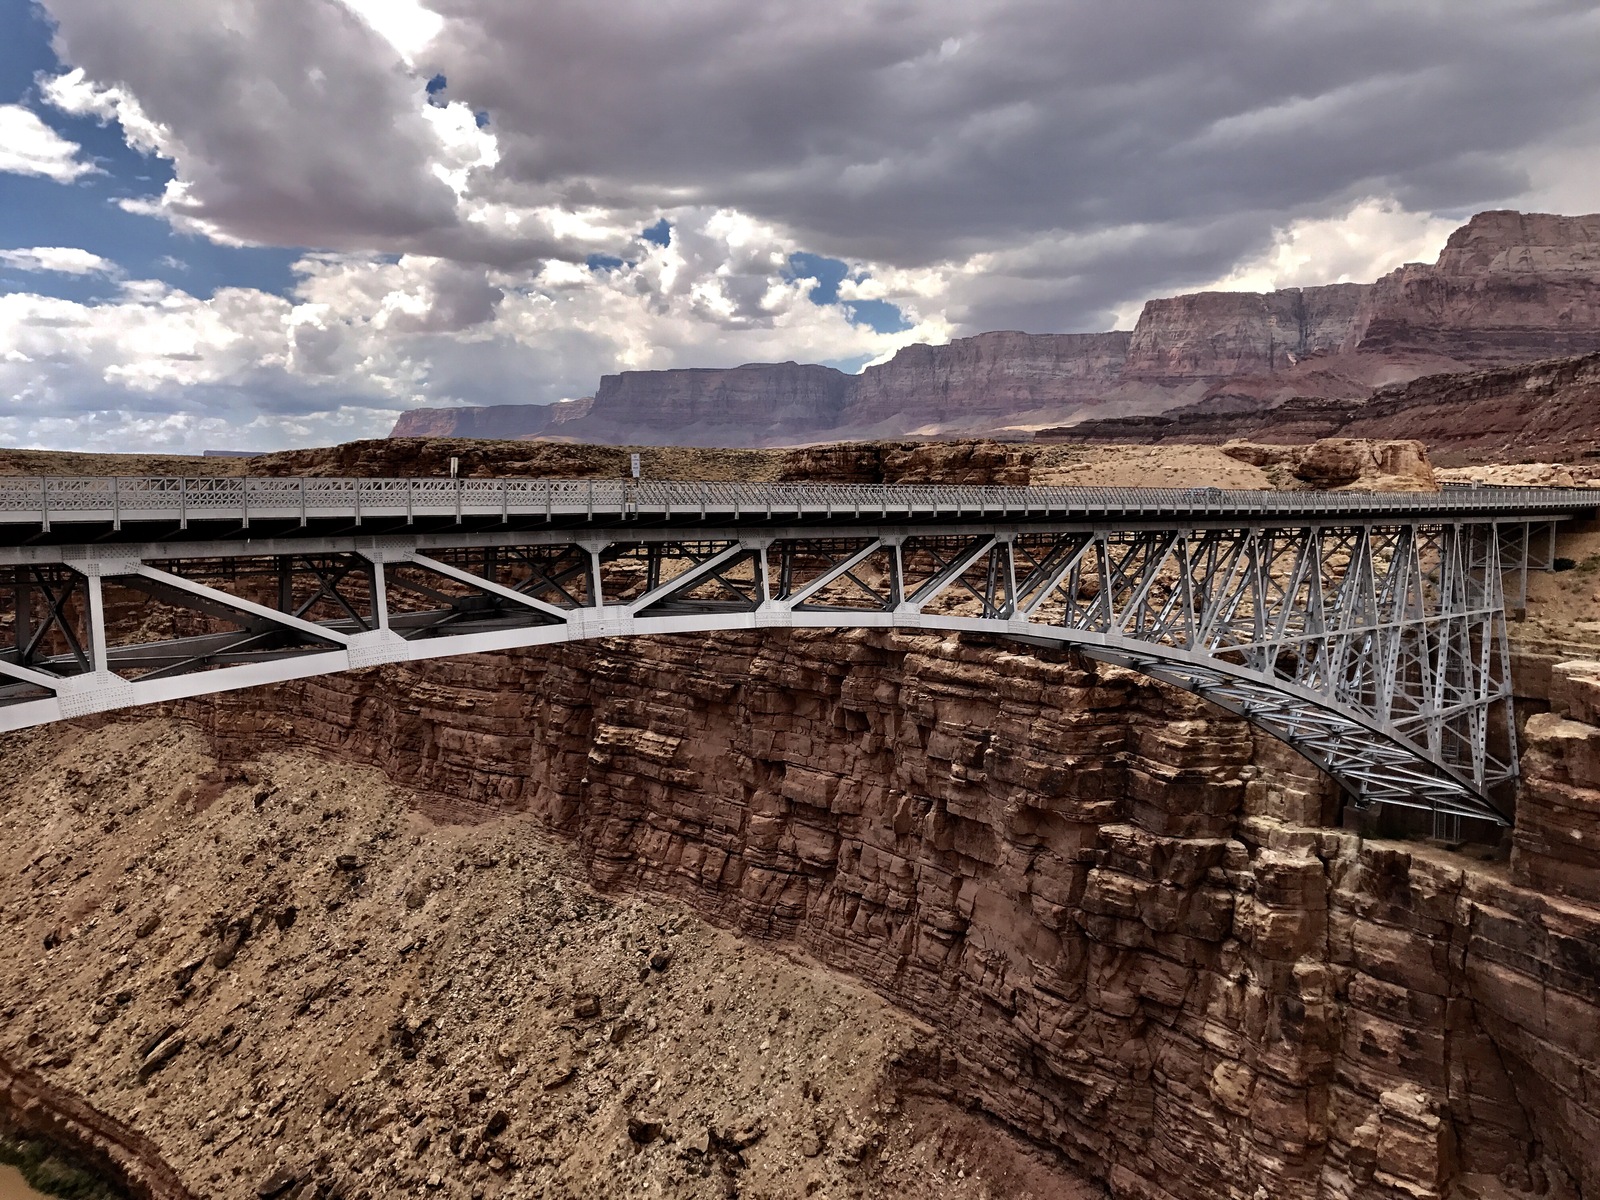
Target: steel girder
1377, 650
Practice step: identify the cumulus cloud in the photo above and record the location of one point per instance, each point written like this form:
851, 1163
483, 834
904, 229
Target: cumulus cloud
30, 147
63, 260
1371, 239
289, 123
407, 25
361, 339
929, 137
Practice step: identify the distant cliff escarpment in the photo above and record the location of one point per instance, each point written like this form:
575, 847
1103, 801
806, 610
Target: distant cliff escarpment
1538, 412
1509, 288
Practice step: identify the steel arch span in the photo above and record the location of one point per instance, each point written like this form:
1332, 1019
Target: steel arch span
1366, 632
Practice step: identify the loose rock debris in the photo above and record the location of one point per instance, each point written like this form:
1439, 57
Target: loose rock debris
302, 988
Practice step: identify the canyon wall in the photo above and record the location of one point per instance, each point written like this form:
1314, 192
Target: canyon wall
760, 404
1126, 916
492, 421
983, 382
1540, 412
1508, 288
1215, 335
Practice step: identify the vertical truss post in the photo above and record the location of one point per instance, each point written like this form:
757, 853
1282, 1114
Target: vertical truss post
380, 594
22, 628
598, 597
95, 619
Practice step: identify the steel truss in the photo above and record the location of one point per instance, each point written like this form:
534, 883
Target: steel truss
1376, 648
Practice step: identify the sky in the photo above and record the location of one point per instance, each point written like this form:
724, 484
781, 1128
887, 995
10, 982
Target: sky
253, 224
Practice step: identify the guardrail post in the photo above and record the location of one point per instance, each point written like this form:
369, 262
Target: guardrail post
183, 502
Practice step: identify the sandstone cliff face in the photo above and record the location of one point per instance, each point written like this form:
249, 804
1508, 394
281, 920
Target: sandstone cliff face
491, 421
1543, 411
1214, 335
1124, 914
278, 981
1508, 288
757, 404
1337, 463
982, 382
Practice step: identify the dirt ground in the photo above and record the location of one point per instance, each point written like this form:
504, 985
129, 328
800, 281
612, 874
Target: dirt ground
287, 976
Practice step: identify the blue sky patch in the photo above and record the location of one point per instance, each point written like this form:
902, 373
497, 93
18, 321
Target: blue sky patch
878, 315
35, 211
660, 233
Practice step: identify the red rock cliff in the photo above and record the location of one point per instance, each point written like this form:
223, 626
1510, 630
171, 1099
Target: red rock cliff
1508, 288
1214, 335
756, 404
984, 381
1123, 912
502, 421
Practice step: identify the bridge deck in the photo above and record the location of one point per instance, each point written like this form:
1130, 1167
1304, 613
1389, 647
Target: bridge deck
63, 510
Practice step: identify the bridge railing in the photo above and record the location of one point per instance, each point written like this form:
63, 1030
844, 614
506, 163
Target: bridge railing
40, 500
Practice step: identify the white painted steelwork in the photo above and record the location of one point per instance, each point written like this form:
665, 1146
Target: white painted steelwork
1367, 631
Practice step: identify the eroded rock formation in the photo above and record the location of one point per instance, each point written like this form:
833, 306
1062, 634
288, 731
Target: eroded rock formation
491, 421
1215, 335
985, 382
1543, 411
294, 988
1126, 917
1508, 288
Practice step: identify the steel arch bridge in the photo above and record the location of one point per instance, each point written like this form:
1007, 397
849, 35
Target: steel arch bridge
1366, 631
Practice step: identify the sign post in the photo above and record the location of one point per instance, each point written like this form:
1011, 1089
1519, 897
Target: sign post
636, 466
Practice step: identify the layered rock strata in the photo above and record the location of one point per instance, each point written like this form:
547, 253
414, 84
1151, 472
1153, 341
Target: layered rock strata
1543, 411
1508, 288
1557, 839
1333, 464
1125, 916
1130, 926
1215, 335
985, 382
492, 420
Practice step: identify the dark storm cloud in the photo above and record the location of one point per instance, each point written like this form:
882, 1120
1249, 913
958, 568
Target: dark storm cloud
913, 133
